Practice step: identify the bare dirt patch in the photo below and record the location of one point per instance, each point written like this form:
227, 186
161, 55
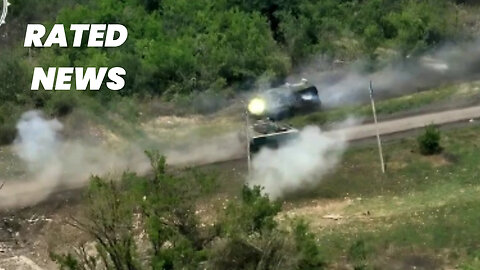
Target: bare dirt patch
320, 213
29, 234
439, 160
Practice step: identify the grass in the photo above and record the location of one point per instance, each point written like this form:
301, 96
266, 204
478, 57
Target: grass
389, 107
424, 210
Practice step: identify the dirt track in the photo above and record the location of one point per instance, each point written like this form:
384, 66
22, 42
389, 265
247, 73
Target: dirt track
409, 123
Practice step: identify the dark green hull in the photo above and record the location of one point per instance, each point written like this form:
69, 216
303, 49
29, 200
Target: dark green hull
272, 141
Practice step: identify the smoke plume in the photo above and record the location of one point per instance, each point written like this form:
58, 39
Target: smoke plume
205, 151
298, 164
38, 141
53, 163
349, 84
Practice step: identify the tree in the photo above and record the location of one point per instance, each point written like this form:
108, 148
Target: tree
169, 210
421, 24
108, 219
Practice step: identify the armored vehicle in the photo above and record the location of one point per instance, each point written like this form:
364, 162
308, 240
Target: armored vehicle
285, 101
267, 109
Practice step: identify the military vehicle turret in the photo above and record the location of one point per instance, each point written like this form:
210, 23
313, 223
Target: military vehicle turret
285, 101
267, 109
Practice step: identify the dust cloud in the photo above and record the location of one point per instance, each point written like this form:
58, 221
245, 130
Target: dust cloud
205, 151
299, 164
348, 83
38, 141
53, 163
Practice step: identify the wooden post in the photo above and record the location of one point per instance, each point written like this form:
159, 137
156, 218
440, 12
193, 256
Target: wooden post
249, 161
379, 142
247, 134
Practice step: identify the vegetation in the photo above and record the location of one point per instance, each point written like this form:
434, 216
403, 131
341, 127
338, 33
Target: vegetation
429, 142
180, 49
423, 207
243, 236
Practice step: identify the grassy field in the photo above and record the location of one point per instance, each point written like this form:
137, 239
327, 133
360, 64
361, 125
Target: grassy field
423, 212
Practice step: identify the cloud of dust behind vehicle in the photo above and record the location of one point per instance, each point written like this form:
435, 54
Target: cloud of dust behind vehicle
349, 84
54, 163
299, 163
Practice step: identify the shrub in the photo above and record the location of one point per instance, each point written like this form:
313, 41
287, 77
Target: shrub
254, 213
429, 141
108, 218
308, 251
7, 134
358, 255
61, 104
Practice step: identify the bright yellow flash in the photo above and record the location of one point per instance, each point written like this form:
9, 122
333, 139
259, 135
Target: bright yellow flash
257, 106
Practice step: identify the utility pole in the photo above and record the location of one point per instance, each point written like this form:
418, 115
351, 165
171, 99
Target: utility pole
247, 122
379, 142
247, 135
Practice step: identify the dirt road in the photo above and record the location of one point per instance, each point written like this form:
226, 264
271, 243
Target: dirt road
386, 128
409, 123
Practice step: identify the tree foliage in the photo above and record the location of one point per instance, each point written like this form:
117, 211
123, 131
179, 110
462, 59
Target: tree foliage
244, 235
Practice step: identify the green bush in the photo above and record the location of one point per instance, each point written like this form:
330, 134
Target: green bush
357, 254
7, 134
62, 106
309, 254
14, 77
429, 141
